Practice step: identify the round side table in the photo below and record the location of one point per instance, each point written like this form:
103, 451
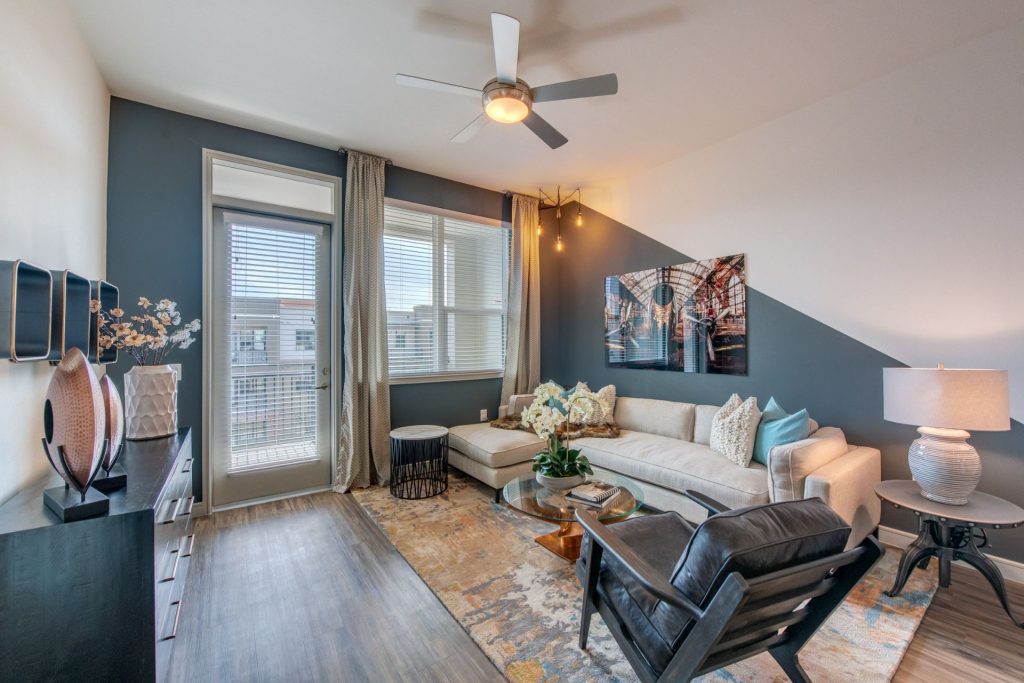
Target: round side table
419, 461
951, 532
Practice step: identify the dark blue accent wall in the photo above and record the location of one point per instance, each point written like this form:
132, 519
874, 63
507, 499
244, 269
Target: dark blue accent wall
155, 236
799, 360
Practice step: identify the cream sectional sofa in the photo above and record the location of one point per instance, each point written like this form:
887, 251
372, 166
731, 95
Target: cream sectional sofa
664, 449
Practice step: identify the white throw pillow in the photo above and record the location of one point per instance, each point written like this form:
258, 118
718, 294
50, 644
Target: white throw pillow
734, 429
601, 417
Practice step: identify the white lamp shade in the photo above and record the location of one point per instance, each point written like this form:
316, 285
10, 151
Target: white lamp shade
972, 400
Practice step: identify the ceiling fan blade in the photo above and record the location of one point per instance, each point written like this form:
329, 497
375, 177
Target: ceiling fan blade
471, 129
608, 84
544, 130
505, 32
439, 86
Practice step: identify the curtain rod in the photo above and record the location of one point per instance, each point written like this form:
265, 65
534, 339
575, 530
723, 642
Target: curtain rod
345, 151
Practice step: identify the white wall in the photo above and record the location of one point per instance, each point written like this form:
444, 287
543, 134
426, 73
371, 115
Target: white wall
53, 177
893, 212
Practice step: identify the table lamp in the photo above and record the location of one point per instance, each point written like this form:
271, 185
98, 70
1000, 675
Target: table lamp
949, 402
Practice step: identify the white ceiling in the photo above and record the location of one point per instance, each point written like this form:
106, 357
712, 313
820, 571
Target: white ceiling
691, 73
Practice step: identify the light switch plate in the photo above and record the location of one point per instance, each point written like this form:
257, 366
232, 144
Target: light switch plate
483, 414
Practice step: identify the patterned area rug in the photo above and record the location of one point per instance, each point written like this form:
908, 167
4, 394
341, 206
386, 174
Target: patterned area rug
521, 603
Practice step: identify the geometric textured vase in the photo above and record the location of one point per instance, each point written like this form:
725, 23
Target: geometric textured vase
150, 402
73, 419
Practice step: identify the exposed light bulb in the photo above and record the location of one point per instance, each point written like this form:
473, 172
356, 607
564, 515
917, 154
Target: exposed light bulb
558, 244
579, 219
540, 230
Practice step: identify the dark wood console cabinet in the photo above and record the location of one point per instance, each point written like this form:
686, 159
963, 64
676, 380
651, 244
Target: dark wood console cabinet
98, 599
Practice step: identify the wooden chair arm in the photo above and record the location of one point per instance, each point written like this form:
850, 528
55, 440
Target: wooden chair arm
641, 570
710, 504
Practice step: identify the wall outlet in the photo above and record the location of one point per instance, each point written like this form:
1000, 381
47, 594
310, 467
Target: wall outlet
483, 414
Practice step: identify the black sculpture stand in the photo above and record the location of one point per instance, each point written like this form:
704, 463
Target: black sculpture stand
113, 478
81, 503
947, 539
71, 506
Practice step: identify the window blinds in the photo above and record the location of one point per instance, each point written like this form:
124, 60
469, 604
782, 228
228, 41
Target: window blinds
272, 309
445, 281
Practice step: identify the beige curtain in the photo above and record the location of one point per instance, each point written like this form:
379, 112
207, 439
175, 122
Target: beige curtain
363, 456
522, 348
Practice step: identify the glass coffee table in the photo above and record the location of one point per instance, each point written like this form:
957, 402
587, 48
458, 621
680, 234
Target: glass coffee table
526, 495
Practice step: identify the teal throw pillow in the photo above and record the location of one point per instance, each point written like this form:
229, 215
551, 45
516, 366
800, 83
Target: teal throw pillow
777, 428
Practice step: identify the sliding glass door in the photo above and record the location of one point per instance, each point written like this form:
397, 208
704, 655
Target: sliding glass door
271, 368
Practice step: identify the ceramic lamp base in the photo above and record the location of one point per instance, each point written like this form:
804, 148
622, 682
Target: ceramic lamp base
944, 465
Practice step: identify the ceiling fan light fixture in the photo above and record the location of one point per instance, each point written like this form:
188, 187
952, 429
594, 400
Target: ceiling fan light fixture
507, 103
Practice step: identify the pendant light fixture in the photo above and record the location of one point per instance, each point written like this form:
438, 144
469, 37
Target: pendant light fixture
556, 202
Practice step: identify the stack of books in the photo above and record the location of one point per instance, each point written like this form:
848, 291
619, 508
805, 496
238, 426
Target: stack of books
596, 494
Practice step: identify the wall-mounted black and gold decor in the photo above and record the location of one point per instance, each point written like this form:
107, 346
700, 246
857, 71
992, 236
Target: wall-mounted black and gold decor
69, 328
25, 311
109, 297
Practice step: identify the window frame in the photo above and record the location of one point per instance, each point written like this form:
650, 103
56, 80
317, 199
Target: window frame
441, 337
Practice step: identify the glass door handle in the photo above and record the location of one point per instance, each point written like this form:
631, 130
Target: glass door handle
322, 386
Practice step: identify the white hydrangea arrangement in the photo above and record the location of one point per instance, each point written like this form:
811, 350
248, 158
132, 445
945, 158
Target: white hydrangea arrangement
146, 337
553, 410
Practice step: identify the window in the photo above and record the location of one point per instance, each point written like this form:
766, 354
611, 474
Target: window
305, 340
445, 280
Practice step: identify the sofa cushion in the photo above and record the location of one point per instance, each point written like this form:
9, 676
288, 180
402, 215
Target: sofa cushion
755, 541
778, 428
494, 447
603, 416
678, 465
660, 540
703, 417
664, 418
734, 428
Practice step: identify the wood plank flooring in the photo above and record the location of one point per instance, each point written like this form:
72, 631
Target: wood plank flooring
309, 589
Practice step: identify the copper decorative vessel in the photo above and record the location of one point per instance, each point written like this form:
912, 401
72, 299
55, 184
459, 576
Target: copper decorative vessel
74, 436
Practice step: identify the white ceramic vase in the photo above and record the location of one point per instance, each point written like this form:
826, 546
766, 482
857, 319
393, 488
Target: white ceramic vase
560, 483
945, 466
150, 402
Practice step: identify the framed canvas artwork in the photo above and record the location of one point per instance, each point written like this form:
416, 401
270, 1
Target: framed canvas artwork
687, 318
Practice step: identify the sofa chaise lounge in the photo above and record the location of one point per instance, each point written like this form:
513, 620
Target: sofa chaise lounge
663, 447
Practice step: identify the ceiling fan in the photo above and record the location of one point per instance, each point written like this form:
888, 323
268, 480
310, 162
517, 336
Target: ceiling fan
509, 99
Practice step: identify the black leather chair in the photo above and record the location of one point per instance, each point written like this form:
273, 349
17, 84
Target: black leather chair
682, 602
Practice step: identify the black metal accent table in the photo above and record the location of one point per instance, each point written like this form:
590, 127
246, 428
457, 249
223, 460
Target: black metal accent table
951, 532
419, 461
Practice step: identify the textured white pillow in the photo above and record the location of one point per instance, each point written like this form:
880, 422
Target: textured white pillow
600, 418
734, 429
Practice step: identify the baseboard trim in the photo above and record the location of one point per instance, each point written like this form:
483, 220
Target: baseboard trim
270, 499
1011, 570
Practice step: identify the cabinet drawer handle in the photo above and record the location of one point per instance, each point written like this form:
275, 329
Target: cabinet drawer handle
169, 511
185, 545
188, 466
189, 502
173, 560
172, 621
